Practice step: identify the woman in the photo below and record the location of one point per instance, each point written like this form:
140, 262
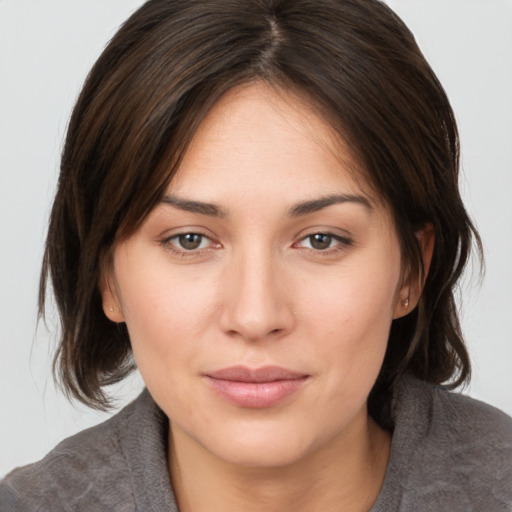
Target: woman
258, 206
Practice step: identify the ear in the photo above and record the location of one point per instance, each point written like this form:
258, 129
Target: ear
412, 286
110, 296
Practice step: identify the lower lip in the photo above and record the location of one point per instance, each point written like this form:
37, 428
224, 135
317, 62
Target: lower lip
256, 395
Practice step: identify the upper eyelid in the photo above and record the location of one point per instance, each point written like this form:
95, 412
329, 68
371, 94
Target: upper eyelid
340, 238
186, 230
337, 233
164, 239
177, 235
181, 233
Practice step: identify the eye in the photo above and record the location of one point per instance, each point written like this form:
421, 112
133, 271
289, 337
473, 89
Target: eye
324, 242
320, 241
187, 242
191, 241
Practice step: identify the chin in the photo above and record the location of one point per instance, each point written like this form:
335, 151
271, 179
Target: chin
272, 444
275, 454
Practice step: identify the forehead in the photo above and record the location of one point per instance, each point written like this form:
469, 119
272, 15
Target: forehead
260, 134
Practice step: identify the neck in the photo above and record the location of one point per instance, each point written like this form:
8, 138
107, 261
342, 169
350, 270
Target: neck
346, 474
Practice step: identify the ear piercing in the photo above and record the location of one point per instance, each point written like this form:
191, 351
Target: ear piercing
406, 303
111, 309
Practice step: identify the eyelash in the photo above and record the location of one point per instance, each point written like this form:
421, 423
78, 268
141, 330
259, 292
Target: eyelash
342, 242
182, 252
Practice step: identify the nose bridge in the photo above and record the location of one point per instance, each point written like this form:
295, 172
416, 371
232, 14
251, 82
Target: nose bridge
256, 304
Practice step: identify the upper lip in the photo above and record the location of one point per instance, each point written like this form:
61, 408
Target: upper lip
263, 374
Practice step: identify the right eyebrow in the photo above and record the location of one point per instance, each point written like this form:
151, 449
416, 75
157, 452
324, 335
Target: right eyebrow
188, 205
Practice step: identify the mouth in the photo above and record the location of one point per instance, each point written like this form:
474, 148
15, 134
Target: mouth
257, 388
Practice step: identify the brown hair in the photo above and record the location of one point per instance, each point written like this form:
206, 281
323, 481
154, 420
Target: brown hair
169, 63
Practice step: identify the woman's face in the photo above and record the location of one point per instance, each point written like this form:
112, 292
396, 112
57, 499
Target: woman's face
259, 293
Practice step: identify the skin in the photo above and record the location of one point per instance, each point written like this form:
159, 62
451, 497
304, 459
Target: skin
258, 289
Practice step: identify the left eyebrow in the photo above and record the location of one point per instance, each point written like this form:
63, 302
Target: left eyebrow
316, 205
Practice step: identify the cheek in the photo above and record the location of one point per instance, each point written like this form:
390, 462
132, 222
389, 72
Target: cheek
164, 312
351, 326
353, 298
352, 316
167, 313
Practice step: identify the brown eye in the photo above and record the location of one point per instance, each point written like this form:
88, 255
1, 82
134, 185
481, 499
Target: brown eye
190, 241
320, 241
189, 244
324, 242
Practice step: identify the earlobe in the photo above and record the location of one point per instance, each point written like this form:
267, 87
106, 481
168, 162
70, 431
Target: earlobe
110, 299
410, 292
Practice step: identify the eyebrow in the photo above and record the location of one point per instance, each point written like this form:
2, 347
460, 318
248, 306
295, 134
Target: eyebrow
302, 208
195, 206
316, 205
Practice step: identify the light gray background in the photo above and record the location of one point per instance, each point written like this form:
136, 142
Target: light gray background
46, 50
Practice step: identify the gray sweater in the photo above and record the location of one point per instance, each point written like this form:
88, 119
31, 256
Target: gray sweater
448, 453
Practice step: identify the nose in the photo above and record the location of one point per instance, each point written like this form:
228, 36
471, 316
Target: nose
256, 303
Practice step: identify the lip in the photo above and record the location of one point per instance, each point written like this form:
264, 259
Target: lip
256, 388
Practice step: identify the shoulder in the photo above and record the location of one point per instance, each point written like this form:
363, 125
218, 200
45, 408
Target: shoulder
470, 436
87, 471
455, 420
472, 420
457, 449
